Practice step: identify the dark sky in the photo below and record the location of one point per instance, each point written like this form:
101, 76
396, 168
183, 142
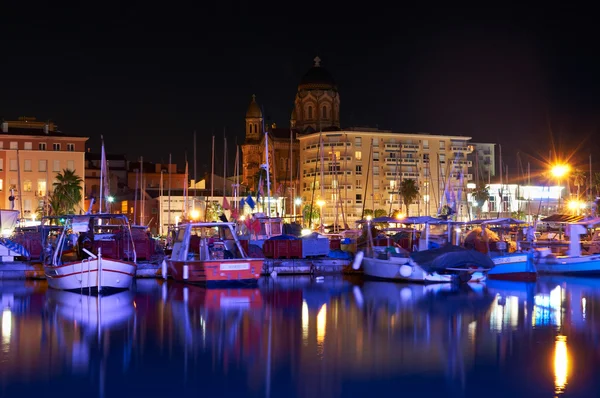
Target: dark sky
146, 74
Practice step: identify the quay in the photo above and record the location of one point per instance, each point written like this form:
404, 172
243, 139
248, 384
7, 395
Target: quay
311, 266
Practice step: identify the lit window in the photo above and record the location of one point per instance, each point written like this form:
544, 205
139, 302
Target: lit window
27, 186
358, 155
41, 187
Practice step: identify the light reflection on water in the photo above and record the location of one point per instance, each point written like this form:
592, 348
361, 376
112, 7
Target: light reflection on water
293, 337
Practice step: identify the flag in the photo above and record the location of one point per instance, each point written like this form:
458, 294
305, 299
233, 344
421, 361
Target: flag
223, 218
250, 202
256, 226
104, 190
242, 203
234, 214
280, 190
248, 223
225, 203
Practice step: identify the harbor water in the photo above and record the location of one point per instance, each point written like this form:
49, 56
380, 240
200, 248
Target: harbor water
301, 337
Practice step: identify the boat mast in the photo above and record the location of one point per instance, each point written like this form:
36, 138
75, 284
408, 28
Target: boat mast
195, 174
267, 171
102, 165
169, 205
291, 166
142, 190
212, 175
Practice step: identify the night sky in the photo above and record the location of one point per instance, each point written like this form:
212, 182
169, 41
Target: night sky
146, 75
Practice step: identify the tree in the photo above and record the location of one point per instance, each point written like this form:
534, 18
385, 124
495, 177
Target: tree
306, 214
578, 180
67, 193
596, 183
379, 213
409, 192
481, 194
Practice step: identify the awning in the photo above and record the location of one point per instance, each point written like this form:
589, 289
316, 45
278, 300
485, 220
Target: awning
562, 218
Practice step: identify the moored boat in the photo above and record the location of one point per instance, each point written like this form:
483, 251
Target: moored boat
92, 252
210, 253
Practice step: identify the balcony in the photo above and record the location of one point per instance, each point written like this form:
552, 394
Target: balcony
326, 145
467, 163
409, 161
461, 148
410, 147
392, 146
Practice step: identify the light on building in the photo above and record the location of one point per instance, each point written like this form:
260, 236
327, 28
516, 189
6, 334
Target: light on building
110, 199
298, 201
470, 185
195, 214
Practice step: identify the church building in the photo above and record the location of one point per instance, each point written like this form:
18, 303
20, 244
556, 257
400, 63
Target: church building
316, 108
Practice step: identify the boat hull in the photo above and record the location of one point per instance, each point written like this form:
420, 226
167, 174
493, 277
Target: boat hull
581, 265
217, 272
401, 270
513, 267
78, 275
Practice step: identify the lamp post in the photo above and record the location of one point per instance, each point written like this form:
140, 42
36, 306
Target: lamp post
559, 171
321, 203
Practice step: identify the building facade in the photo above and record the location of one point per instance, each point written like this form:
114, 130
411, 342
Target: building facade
484, 163
32, 153
363, 169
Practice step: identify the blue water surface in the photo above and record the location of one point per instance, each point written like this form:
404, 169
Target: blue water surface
298, 337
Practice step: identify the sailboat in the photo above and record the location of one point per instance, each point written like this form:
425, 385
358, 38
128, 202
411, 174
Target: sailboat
91, 252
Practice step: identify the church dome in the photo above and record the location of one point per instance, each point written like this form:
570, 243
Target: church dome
317, 77
254, 110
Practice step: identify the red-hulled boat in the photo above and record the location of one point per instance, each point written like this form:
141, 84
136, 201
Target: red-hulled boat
210, 253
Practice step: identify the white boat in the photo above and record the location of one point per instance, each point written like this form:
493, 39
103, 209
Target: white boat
575, 262
92, 252
447, 264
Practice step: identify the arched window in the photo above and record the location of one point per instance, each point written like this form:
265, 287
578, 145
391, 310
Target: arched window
324, 112
250, 131
310, 112
255, 128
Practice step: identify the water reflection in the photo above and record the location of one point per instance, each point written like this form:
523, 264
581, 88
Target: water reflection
294, 337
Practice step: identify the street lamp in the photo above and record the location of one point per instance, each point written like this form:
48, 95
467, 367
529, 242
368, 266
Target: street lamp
559, 171
321, 203
110, 200
297, 202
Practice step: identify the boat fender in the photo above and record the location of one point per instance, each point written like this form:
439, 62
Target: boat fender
358, 260
406, 270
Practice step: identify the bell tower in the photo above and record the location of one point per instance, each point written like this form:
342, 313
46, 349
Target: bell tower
254, 121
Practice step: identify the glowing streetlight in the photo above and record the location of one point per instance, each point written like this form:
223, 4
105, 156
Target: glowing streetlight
559, 171
195, 214
110, 200
321, 203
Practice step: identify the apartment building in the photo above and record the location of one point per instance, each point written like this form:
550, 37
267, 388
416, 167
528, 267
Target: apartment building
363, 168
32, 153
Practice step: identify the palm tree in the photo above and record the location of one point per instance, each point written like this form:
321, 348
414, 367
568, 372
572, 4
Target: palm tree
67, 192
481, 195
578, 180
409, 192
596, 182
